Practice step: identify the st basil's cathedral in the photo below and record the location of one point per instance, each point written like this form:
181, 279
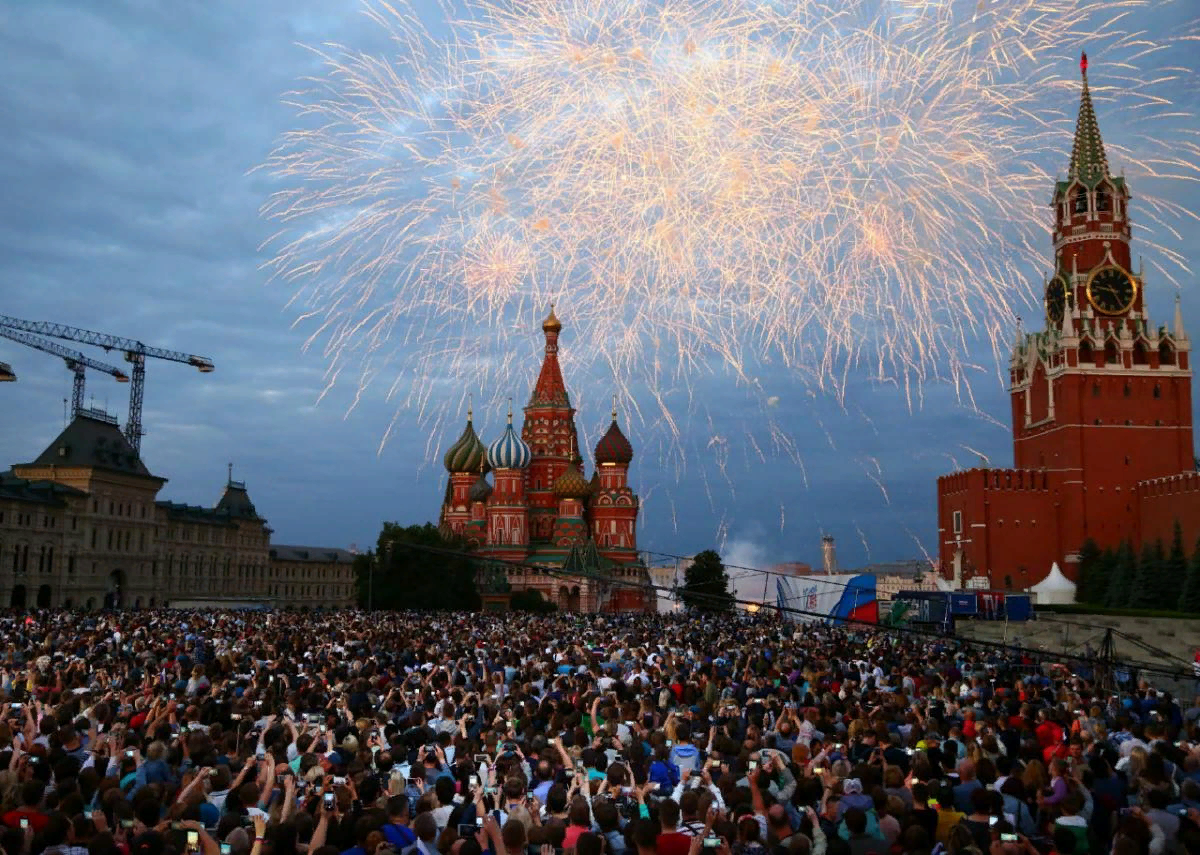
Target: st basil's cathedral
541, 511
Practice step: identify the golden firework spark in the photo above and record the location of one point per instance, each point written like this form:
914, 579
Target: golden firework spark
703, 182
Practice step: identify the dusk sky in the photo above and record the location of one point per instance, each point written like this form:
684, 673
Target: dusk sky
130, 206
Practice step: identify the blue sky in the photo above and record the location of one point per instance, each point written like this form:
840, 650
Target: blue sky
131, 129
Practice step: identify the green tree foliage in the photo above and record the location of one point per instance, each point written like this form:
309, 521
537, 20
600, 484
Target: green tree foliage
1091, 587
1175, 571
1123, 577
531, 600
706, 584
409, 576
1146, 592
1189, 596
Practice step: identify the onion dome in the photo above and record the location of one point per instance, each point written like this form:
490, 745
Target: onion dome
467, 453
571, 484
509, 451
552, 324
480, 490
613, 447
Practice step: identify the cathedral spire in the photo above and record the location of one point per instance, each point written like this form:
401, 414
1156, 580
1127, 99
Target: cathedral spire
550, 390
1089, 163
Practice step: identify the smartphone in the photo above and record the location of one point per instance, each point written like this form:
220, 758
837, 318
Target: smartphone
670, 744
339, 781
87, 813
712, 843
212, 773
329, 801
414, 783
474, 781
752, 765
24, 822
193, 839
992, 820
129, 752
235, 716
909, 752
14, 706
226, 849
482, 760
279, 779
127, 823
323, 729
479, 822
1008, 838
172, 696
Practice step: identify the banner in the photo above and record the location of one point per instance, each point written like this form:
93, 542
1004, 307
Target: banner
830, 599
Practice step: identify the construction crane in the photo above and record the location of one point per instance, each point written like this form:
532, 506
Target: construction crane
136, 354
7, 375
75, 360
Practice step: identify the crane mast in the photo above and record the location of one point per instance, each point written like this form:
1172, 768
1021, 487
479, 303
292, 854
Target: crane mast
136, 353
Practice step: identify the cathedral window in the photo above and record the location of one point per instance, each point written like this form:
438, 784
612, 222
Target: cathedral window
1081, 202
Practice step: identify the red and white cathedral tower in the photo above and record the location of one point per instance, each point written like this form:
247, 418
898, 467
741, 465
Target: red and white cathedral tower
1101, 399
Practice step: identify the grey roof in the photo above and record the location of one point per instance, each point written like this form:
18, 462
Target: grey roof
913, 567
235, 502
195, 513
315, 554
96, 443
46, 493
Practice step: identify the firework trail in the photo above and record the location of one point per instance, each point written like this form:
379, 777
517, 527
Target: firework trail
705, 186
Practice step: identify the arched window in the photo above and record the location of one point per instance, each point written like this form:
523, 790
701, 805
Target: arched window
1081, 202
1139, 353
1085, 353
1103, 199
1166, 354
1111, 357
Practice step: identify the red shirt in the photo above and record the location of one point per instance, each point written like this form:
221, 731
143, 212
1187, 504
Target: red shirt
673, 843
37, 819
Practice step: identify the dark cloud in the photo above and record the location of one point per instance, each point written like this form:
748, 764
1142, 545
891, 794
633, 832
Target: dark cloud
131, 130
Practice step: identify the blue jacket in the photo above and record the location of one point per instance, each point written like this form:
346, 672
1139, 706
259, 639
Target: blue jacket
685, 756
666, 775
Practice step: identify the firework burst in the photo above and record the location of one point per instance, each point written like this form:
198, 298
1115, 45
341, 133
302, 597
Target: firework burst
830, 187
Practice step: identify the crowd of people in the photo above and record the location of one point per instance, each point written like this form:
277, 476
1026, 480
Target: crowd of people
342, 733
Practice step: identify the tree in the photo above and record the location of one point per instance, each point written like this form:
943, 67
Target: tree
1091, 587
1143, 590
706, 584
1189, 597
531, 600
1175, 571
414, 568
1124, 574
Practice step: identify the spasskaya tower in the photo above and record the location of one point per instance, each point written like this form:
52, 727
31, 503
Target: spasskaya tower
1101, 399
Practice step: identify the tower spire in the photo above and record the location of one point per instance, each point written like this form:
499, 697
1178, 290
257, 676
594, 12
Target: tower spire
1089, 163
550, 390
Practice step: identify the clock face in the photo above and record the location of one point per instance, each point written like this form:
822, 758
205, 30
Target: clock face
1056, 300
1111, 291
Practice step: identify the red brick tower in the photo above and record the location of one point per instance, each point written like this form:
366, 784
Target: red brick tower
614, 506
1101, 400
549, 430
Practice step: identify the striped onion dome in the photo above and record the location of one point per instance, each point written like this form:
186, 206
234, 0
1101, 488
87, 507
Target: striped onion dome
571, 484
613, 447
467, 453
480, 490
509, 451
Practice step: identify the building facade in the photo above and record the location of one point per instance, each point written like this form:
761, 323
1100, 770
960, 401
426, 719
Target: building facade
1101, 405
540, 511
82, 527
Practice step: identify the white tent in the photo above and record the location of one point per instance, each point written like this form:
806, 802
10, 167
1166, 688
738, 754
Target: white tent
1055, 589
